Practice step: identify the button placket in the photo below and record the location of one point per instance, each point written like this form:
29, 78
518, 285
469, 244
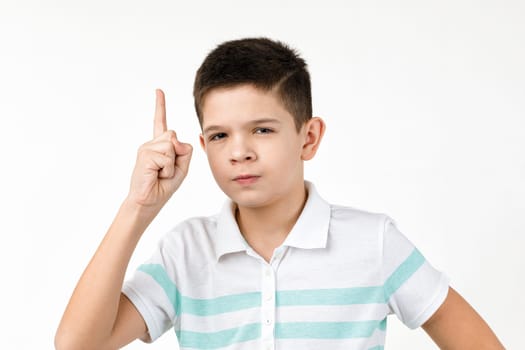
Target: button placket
278, 257
268, 306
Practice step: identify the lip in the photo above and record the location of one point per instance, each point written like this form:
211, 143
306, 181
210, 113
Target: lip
246, 179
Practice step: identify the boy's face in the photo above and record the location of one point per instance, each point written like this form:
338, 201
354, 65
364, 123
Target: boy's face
253, 147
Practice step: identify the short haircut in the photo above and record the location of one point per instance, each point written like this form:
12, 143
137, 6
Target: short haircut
263, 63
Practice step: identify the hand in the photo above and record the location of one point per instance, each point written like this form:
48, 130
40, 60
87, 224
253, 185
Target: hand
162, 163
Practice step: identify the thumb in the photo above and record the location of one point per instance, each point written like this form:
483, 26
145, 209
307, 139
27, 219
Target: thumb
183, 153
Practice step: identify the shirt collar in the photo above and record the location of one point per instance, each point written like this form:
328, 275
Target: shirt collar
311, 229
309, 232
228, 237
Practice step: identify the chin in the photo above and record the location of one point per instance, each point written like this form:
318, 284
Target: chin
242, 201
249, 200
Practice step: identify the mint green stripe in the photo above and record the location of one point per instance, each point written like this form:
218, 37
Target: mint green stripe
229, 303
356, 295
161, 277
403, 273
200, 307
334, 296
337, 296
220, 339
327, 330
379, 347
382, 325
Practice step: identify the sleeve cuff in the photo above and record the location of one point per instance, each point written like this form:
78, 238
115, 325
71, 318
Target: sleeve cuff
437, 300
145, 312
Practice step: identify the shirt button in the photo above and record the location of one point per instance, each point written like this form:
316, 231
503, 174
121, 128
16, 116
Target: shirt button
269, 296
268, 322
268, 272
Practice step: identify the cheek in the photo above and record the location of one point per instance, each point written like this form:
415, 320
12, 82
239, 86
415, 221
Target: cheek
215, 161
284, 155
292, 145
214, 164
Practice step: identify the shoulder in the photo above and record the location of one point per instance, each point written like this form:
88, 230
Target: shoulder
349, 224
358, 232
348, 216
191, 234
199, 225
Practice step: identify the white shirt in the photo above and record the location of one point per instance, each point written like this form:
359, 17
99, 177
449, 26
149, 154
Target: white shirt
330, 285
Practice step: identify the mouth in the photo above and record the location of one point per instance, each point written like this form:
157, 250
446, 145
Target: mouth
246, 179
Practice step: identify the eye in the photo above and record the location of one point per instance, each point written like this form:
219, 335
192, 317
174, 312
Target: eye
217, 137
263, 131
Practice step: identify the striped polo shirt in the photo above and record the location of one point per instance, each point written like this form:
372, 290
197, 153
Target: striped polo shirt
331, 284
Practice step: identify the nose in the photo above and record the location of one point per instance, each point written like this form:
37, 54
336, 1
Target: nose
241, 151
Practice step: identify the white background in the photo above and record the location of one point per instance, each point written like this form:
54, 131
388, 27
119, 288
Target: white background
424, 105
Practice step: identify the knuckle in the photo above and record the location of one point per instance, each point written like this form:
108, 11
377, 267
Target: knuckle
167, 171
144, 146
165, 148
170, 170
140, 151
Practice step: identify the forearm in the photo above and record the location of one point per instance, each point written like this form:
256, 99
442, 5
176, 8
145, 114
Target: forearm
92, 310
96, 317
456, 325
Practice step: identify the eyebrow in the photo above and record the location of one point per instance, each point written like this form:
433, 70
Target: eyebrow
251, 122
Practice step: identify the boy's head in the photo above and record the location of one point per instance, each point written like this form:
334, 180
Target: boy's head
253, 100
263, 63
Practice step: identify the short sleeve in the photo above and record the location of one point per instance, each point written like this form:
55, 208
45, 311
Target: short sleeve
153, 291
414, 289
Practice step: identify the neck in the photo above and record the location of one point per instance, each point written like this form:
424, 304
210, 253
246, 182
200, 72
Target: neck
265, 228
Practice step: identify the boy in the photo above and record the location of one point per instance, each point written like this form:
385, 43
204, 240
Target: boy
278, 267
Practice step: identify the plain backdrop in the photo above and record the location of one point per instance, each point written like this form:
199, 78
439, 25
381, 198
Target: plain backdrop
423, 101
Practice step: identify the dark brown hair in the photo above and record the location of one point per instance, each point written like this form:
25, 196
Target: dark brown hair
264, 63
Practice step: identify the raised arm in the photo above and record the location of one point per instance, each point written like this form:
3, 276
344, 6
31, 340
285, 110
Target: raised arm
98, 315
456, 325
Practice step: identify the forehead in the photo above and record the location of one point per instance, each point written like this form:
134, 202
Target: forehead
226, 106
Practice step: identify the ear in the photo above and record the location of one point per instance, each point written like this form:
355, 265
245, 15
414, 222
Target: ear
203, 144
313, 133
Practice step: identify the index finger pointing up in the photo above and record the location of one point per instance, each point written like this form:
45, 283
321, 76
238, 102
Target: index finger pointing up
160, 114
